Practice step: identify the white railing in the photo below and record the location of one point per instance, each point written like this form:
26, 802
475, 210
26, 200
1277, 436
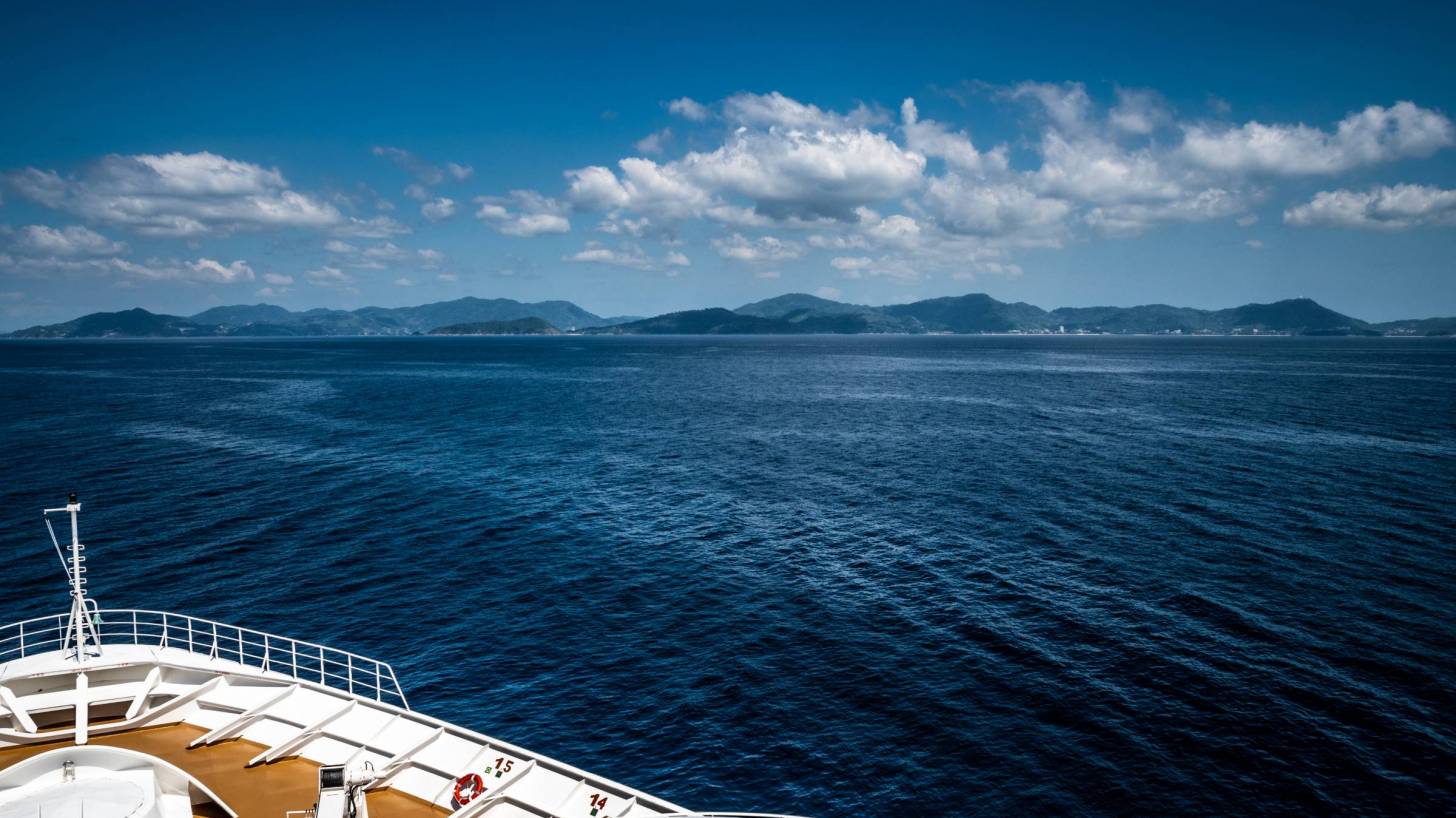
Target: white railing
305, 661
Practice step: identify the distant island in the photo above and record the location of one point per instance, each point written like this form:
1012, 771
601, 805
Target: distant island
792, 314
519, 326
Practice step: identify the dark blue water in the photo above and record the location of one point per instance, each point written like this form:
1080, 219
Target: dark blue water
835, 576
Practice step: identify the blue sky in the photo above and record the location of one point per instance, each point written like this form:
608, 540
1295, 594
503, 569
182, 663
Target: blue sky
658, 157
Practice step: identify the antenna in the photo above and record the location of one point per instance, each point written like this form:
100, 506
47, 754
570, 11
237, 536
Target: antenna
81, 635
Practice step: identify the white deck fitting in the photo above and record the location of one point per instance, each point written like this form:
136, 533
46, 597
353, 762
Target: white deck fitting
293, 714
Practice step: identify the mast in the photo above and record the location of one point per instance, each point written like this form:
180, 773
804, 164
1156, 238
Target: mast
81, 635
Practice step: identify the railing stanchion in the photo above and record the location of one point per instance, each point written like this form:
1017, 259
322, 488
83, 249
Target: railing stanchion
134, 638
351, 674
293, 651
321, 664
214, 640
22, 640
189, 635
165, 627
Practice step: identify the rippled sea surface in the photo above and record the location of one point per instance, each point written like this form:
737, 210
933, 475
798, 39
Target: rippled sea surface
834, 576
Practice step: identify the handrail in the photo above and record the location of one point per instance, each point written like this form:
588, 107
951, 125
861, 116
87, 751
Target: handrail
305, 661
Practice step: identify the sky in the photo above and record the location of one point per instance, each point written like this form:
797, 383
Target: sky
654, 157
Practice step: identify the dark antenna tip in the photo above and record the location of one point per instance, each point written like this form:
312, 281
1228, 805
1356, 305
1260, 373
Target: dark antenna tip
72, 498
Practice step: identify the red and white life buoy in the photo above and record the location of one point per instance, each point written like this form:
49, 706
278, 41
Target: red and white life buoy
468, 788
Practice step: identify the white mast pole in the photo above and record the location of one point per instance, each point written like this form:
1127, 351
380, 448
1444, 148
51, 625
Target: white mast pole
80, 628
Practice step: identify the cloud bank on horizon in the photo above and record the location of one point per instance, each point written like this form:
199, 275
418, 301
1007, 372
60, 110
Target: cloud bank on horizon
882, 199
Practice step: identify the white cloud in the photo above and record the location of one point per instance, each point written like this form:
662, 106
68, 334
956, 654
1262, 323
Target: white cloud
1397, 207
965, 207
1131, 219
831, 293
336, 246
458, 171
934, 139
676, 259
447, 277
417, 191
628, 255
654, 142
847, 264
1139, 112
1095, 170
278, 279
790, 173
438, 210
1368, 137
1067, 104
403, 281
177, 194
1247, 220
328, 276
765, 248
431, 258
206, 269
73, 240
523, 213
776, 110
379, 227
689, 109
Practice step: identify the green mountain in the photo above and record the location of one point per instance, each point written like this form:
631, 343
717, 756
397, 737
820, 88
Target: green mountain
236, 316
977, 312
267, 320
518, 326
794, 313
133, 323
714, 321
1418, 326
782, 305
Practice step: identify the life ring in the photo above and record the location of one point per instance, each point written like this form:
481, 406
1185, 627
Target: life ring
468, 788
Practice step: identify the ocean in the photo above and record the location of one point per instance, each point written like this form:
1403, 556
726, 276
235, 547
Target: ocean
868, 576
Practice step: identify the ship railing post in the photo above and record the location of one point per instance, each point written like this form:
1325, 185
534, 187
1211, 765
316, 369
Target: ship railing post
22, 640
378, 684
293, 650
165, 626
321, 664
135, 640
242, 654
214, 641
351, 673
267, 654
189, 635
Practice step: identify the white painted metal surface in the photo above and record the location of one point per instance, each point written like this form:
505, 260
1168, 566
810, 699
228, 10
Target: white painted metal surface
294, 698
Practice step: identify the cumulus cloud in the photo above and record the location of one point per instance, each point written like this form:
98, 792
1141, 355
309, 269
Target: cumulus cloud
523, 213
654, 142
458, 171
936, 140
1130, 219
765, 248
689, 109
969, 208
379, 227
438, 210
278, 279
1397, 207
628, 255
329, 276
1139, 112
73, 240
177, 194
1368, 137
